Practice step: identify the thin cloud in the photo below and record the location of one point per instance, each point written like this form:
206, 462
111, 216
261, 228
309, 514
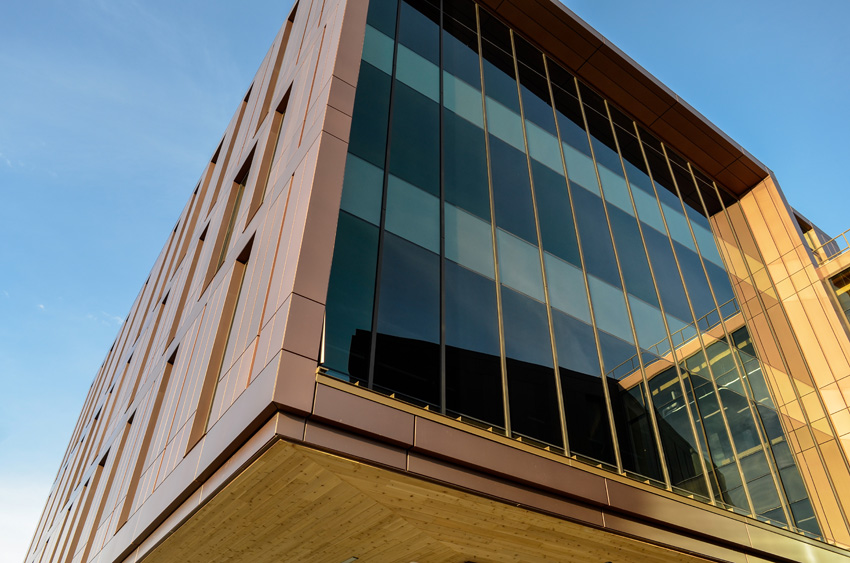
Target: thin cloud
41, 306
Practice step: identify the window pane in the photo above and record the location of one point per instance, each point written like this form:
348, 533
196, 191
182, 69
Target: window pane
532, 392
473, 364
595, 237
585, 406
413, 214
362, 189
368, 137
555, 214
469, 241
519, 265
415, 139
465, 165
511, 190
348, 321
407, 356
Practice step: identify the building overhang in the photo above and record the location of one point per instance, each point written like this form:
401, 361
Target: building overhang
571, 41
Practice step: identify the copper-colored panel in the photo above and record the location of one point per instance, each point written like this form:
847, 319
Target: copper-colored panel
635, 501
614, 90
467, 449
296, 382
242, 419
347, 60
609, 61
639, 529
314, 263
341, 97
303, 327
363, 416
358, 447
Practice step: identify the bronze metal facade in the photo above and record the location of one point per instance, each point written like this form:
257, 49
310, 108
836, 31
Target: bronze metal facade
213, 431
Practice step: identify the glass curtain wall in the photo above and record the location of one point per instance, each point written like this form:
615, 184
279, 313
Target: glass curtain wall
515, 252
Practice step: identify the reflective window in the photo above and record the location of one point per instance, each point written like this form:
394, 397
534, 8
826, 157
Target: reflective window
609, 275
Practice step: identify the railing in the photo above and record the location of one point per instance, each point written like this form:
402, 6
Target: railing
832, 248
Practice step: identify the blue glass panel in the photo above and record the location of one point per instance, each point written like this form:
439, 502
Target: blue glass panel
532, 390
473, 361
595, 238
512, 190
465, 165
415, 139
362, 189
555, 214
413, 214
519, 265
368, 137
351, 290
469, 241
407, 355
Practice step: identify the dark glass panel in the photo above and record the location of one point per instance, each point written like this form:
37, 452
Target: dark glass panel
696, 283
465, 165
630, 150
605, 149
419, 28
499, 74
667, 275
368, 137
804, 514
460, 51
534, 86
638, 450
473, 364
382, 16
532, 391
719, 282
407, 355
570, 120
681, 449
555, 214
511, 190
632, 255
351, 290
595, 237
685, 182
659, 169
461, 10
585, 407
414, 153
709, 195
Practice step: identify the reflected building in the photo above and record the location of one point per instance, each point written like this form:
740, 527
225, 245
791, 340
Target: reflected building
462, 282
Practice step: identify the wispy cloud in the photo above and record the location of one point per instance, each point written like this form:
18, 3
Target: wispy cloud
6, 294
41, 306
106, 319
6, 160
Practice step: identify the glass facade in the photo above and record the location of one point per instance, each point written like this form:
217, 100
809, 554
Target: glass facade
515, 252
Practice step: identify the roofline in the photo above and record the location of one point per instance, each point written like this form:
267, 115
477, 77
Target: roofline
600, 63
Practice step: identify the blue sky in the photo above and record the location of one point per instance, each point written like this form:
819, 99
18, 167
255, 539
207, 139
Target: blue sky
109, 110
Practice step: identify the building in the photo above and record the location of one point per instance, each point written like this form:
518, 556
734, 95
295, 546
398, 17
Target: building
462, 282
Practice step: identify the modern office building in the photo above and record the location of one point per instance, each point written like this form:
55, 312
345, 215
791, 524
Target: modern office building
463, 283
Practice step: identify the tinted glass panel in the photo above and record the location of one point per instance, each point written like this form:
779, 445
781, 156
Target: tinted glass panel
531, 377
368, 137
473, 365
415, 139
407, 356
350, 296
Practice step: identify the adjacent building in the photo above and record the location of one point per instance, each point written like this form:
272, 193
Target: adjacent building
464, 283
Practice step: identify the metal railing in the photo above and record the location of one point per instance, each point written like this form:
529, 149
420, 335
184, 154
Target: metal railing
832, 248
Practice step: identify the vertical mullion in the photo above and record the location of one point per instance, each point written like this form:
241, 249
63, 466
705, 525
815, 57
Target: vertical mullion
374, 335
682, 387
552, 346
442, 228
698, 332
763, 438
606, 392
497, 276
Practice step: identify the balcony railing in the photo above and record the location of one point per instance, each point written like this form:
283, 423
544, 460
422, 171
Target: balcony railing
832, 248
